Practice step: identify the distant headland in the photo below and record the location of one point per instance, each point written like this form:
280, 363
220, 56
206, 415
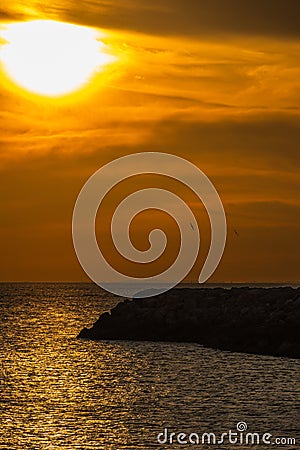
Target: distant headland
249, 320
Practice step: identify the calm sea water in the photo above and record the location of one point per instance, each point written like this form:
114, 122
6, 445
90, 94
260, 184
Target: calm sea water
58, 392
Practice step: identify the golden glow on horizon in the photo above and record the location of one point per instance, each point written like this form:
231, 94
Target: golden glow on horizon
51, 58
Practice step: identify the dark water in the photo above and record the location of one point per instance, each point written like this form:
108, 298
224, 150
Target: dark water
58, 392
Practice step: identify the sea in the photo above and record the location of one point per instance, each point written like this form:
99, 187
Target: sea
60, 392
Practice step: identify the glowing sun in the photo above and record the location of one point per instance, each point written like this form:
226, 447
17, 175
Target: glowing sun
51, 58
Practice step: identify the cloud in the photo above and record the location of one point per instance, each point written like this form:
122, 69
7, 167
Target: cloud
7, 15
197, 18
189, 18
263, 141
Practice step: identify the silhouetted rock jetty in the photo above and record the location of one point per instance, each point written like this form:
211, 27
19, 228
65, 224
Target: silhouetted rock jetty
249, 320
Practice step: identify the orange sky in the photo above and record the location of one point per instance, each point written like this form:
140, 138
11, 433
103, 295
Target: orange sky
216, 82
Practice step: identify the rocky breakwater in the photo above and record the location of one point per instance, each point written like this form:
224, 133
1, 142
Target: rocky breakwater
249, 320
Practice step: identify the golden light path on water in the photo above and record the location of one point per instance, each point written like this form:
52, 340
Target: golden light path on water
63, 393
51, 58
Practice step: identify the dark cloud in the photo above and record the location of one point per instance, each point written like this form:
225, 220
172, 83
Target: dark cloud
269, 141
266, 141
8, 15
140, 97
175, 17
194, 17
12, 14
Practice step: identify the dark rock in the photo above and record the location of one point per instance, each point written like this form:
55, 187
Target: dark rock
250, 320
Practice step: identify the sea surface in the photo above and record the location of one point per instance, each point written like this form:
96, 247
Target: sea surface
59, 392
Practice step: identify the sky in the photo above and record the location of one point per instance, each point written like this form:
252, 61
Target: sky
216, 82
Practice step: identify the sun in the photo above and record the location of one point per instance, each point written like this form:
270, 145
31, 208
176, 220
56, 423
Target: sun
51, 58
